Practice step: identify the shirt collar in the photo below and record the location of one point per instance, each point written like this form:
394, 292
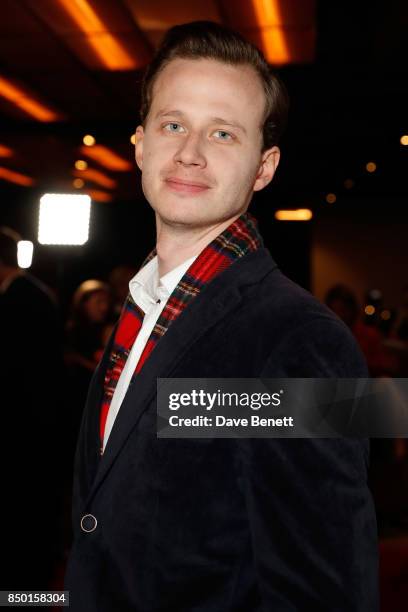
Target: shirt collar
147, 289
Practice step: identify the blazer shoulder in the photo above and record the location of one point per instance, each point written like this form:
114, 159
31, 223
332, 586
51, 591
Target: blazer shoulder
276, 294
302, 331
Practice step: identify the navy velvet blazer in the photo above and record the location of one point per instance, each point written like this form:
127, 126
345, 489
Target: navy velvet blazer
227, 525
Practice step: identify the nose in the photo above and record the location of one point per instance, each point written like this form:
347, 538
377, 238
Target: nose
190, 152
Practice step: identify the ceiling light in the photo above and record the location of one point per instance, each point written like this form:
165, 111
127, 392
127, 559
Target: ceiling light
105, 46
16, 177
300, 214
24, 101
95, 176
25, 250
99, 195
108, 158
88, 140
269, 20
81, 164
331, 198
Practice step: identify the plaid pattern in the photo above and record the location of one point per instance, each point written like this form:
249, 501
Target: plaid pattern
240, 238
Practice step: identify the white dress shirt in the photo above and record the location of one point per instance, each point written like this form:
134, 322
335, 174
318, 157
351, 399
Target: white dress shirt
151, 294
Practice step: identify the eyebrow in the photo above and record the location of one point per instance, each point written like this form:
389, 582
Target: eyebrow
178, 113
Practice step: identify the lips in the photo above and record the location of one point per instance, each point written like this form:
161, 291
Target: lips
186, 186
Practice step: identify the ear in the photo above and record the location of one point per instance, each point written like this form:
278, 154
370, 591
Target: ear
269, 163
139, 146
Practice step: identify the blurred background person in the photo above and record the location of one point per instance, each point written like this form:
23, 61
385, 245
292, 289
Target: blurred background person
32, 424
87, 331
388, 466
397, 341
119, 279
400, 327
342, 301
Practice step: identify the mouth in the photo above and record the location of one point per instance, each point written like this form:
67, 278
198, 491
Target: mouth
185, 186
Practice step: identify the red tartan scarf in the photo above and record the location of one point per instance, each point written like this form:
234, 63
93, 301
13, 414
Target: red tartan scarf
240, 238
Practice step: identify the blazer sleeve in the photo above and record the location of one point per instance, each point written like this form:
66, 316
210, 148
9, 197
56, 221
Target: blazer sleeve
310, 512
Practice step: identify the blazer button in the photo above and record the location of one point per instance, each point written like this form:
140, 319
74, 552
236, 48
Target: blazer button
88, 523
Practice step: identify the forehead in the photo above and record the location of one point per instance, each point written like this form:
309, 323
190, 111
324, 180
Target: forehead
212, 86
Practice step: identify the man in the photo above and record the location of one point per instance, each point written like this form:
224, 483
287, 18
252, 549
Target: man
215, 525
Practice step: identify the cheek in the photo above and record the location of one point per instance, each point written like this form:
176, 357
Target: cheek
236, 170
155, 159
150, 170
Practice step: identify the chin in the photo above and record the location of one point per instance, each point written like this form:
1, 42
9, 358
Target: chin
181, 212
181, 219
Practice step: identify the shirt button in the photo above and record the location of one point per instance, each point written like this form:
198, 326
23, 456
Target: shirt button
88, 523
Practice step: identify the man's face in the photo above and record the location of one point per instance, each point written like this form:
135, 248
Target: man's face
200, 151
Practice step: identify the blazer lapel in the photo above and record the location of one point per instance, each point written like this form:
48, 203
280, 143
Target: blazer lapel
90, 422
214, 303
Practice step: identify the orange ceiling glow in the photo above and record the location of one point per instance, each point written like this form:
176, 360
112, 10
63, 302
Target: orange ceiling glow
25, 102
95, 176
104, 45
270, 23
15, 177
99, 196
6, 151
106, 157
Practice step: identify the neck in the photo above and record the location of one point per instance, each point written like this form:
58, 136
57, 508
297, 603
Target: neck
176, 244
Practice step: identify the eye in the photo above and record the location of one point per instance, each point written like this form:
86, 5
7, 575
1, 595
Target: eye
222, 135
176, 128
